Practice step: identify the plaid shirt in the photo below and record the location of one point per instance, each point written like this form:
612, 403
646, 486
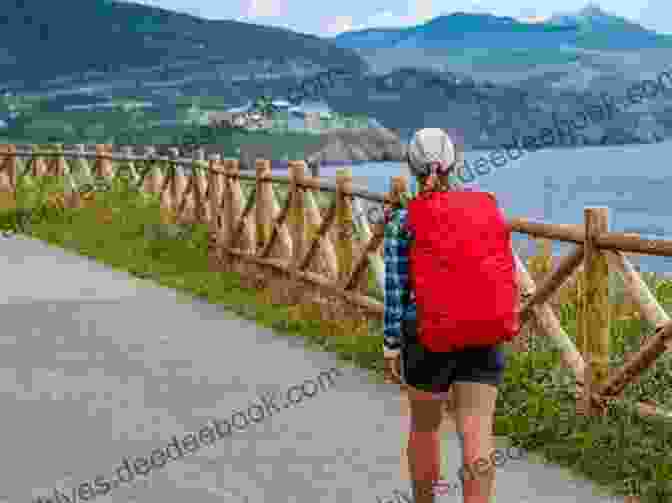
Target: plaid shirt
399, 303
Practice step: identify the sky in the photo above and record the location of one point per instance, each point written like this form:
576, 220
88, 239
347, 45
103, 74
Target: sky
325, 18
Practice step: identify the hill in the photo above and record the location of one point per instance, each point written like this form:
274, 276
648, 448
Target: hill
42, 40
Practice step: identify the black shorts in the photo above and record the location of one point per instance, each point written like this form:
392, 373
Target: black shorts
435, 372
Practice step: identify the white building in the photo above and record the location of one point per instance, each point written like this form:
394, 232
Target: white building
241, 109
313, 120
239, 121
282, 104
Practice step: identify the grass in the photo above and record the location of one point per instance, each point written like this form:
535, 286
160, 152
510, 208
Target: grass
621, 452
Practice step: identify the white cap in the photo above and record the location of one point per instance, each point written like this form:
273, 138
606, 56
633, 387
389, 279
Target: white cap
430, 145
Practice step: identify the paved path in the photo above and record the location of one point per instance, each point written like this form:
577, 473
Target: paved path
96, 365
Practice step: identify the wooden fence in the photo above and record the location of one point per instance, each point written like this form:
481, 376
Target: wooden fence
325, 254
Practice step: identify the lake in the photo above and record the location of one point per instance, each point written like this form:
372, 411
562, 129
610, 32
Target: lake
555, 185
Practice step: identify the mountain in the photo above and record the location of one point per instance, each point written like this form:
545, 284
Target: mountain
490, 76
41, 40
593, 17
600, 30
462, 30
590, 28
459, 30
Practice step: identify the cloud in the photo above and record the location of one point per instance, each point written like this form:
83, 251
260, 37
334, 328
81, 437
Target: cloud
381, 19
424, 11
417, 12
339, 24
386, 19
266, 8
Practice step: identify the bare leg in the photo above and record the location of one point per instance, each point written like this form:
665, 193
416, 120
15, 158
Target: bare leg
474, 416
424, 460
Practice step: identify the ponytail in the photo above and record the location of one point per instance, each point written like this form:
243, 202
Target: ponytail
429, 183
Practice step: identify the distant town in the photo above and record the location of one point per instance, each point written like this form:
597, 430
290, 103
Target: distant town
43, 117
280, 116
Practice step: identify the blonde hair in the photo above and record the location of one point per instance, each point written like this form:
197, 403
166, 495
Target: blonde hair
433, 183
446, 182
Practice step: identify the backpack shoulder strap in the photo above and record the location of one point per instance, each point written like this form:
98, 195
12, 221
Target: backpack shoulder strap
408, 294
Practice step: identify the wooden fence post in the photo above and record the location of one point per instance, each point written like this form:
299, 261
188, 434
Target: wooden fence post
12, 166
110, 164
201, 193
186, 201
216, 185
49, 161
200, 189
5, 184
23, 163
60, 164
297, 229
165, 191
264, 208
216, 191
97, 162
246, 240
39, 166
297, 213
154, 179
8, 169
103, 167
233, 209
593, 319
178, 182
344, 225
326, 254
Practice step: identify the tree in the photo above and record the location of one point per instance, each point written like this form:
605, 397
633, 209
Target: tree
264, 105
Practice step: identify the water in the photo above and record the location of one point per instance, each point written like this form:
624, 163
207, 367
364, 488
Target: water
555, 186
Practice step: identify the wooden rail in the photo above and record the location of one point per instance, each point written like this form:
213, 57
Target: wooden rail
261, 236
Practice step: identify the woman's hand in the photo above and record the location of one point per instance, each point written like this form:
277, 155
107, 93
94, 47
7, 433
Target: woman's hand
393, 370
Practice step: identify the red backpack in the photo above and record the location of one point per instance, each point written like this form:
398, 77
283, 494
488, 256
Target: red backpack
462, 271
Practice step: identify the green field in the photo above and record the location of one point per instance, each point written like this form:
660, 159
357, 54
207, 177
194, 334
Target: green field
123, 128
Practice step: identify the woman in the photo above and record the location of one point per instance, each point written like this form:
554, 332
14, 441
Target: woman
473, 374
